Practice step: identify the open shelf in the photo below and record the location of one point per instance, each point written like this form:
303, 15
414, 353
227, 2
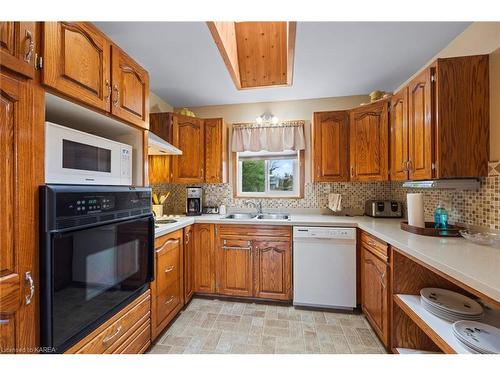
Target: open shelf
439, 330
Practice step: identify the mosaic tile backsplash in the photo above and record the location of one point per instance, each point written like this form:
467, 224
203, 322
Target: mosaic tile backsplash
480, 207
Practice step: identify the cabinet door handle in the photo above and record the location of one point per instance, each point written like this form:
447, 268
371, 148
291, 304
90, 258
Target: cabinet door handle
29, 279
169, 300
116, 98
31, 46
111, 337
169, 269
409, 167
108, 89
3, 322
381, 274
352, 171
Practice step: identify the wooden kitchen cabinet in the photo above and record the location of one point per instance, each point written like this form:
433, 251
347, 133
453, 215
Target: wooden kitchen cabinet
369, 142
216, 168
234, 266
399, 136
375, 290
167, 290
21, 174
188, 136
130, 92
18, 47
330, 151
440, 121
188, 263
272, 269
77, 62
204, 258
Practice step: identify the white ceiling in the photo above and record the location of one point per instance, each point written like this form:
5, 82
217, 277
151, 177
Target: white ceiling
331, 58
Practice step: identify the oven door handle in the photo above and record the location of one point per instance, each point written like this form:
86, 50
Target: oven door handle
151, 249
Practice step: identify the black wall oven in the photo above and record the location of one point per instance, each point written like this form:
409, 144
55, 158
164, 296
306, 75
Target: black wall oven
97, 254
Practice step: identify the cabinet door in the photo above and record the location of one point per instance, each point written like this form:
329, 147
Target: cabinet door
21, 172
17, 47
420, 125
330, 134
188, 263
273, 270
234, 267
215, 151
369, 142
188, 136
375, 293
399, 135
77, 62
130, 95
167, 289
204, 258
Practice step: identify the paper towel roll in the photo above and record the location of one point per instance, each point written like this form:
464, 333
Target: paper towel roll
415, 205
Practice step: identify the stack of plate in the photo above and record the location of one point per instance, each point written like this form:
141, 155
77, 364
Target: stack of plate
478, 337
449, 305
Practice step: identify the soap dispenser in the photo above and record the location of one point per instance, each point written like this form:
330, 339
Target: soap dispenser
440, 217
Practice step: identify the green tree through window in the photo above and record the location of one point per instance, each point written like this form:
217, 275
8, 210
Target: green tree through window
253, 176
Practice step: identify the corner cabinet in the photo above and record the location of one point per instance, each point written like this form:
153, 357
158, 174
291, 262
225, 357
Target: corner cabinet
204, 258
399, 136
330, 151
81, 63
375, 288
369, 142
130, 92
167, 290
188, 136
18, 47
216, 160
188, 263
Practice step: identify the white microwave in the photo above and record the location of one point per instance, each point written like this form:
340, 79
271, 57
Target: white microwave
75, 157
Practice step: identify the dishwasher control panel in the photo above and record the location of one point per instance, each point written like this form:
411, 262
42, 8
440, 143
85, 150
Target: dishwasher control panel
324, 232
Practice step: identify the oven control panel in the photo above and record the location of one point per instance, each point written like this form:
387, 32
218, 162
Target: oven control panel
86, 205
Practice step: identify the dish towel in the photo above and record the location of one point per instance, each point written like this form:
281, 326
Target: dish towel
335, 202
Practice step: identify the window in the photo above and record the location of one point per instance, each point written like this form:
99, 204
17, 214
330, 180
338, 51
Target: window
268, 174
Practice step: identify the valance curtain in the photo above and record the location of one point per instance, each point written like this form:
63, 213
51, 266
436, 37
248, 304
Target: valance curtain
287, 135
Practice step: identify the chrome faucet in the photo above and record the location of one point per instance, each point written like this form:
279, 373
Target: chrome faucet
257, 206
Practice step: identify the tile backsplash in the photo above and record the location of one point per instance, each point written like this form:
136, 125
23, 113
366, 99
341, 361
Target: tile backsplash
480, 207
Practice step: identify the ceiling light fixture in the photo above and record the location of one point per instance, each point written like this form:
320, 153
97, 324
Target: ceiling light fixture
267, 118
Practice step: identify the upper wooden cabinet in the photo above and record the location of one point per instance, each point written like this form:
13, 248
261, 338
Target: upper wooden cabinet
440, 121
330, 152
80, 62
188, 136
216, 168
77, 62
204, 149
399, 136
130, 93
18, 47
369, 142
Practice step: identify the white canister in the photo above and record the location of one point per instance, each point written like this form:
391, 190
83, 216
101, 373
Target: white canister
158, 209
222, 209
415, 206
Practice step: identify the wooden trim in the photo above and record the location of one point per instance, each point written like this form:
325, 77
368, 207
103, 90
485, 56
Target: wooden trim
234, 180
145, 158
291, 32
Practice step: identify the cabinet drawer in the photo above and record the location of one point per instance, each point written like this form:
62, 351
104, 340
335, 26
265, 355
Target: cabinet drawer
168, 300
167, 268
112, 336
376, 246
138, 342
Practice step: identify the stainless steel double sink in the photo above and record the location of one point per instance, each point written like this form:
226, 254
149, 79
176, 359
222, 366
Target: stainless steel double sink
249, 216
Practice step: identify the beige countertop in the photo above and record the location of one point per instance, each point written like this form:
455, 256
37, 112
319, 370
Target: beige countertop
474, 265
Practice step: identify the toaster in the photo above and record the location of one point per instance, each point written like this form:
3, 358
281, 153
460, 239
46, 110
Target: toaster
376, 208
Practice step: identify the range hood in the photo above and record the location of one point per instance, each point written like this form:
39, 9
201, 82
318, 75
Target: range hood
158, 146
458, 184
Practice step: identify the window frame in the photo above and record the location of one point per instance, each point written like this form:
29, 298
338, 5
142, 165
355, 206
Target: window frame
297, 193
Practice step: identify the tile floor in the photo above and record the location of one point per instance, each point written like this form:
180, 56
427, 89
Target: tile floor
213, 326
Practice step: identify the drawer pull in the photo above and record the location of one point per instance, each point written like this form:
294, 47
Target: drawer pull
166, 244
372, 243
225, 247
3, 322
169, 300
169, 269
109, 338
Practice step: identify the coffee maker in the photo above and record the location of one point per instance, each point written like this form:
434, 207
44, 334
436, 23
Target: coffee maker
194, 202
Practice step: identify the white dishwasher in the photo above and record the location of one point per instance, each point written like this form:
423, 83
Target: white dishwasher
324, 267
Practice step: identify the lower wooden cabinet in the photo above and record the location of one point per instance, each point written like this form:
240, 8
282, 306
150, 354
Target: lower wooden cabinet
167, 290
127, 332
188, 263
254, 262
375, 290
204, 258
